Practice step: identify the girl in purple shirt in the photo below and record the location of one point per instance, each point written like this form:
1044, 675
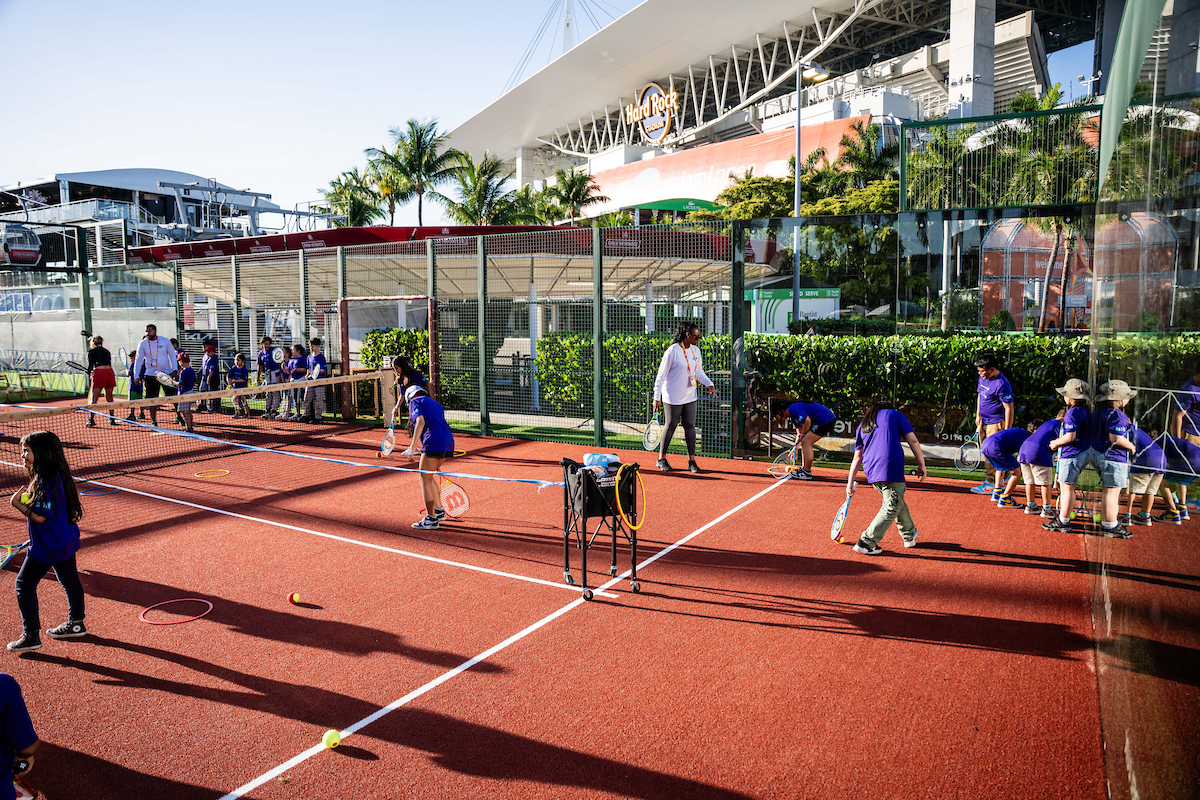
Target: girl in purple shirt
1074, 449
51, 505
877, 448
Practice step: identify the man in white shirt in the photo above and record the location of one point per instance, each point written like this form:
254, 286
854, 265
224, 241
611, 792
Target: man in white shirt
155, 354
679, 373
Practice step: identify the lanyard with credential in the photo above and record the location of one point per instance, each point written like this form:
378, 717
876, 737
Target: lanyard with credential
687, 360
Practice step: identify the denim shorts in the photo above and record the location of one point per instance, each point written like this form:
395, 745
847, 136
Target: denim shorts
1113, 474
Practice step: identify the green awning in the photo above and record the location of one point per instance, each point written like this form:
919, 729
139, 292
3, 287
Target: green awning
681, 204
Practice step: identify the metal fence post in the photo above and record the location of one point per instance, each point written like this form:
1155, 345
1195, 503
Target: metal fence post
178, 271
236, 269
485, 422
431, 321
597, 339
85, 289
737, 324
303, 297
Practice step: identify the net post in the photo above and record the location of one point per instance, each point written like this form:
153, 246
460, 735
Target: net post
485, 422
597, 340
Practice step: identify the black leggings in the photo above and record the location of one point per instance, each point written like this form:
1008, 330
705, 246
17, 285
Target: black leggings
28, 578
685, 413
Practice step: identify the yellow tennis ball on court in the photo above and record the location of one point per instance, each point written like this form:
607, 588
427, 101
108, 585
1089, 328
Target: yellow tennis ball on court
1072, 515
294, 598
332, 739
1095, 517
26, 497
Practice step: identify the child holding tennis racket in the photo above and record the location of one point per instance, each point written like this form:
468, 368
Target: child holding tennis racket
437, 444
878, 450
239, 378
187, 382
314, 396
994, 410
52, 512
210, 377
297, 369
99, 361
269, 374
1074, 449
813, 422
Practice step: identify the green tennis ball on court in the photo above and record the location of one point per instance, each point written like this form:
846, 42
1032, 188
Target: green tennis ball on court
294, 598
332, 739
1072, 515
25, 498
1095, 517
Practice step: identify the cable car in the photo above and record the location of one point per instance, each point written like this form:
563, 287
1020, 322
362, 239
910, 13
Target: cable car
21, 246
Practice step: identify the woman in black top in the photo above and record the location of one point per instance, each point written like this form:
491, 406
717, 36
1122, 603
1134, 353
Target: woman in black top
103, 378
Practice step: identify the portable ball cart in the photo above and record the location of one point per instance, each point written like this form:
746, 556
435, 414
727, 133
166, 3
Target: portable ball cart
606, 500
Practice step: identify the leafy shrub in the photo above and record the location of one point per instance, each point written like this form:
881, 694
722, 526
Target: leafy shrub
1001, 321
853, 326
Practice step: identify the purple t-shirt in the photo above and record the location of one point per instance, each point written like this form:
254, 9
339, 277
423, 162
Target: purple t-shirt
1109, 421
266, 363
818, 413
1182, 459
1189, 399
1079, 422
993, 394
17, 733
1002, 446
1036, 449
56, 539
882, 453
187, 380
1148, 457
436, 436
315, 360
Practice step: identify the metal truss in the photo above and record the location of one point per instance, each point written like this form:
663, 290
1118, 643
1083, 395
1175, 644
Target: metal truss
729, 82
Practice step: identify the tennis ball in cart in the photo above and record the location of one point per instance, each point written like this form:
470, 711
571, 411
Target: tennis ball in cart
332, 739
25, 498
294, 598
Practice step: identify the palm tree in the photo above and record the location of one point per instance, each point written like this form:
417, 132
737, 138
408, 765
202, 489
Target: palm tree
863, 158
938, 173
573, 191
418, 158
352, 196
482, 197
536, 205
391, 184
1041, 159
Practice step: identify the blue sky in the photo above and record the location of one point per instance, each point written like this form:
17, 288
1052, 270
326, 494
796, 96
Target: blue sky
266, 95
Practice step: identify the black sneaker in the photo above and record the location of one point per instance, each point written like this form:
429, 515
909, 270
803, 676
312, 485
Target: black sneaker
112, 420
664, 466
91, 423
1056, 525
866, 548
439, 514
801, 474
693, 466
1119, 532
1139, 519
68, 630
25, 644
426, 523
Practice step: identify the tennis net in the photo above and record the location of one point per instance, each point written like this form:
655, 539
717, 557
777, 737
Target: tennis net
122, 441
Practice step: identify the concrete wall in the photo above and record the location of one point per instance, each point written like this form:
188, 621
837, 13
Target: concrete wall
59, 331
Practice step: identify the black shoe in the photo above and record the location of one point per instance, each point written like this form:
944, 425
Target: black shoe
25, 644
1119, 532
1056, 525
91, 423
801, 474
112, 420
693, 466
68, 630
664, 466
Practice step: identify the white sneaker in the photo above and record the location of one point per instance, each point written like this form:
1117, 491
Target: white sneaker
913, 541
427, 523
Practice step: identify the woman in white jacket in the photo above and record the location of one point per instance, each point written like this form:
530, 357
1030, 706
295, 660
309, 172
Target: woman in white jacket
680, 372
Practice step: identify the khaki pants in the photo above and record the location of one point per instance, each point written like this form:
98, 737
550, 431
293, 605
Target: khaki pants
894, 509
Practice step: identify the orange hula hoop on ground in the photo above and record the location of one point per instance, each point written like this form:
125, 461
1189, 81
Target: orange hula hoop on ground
621, 510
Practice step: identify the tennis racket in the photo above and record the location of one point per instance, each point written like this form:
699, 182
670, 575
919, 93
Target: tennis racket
278, 354
165, 379
75, 365
939, 425
969, 455
839, 520
9, 551
123, 356
454, 499
653, 433
389, 439
784, 464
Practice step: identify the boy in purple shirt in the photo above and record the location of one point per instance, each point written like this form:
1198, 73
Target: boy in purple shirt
1185, 424
187, 382
1037, 464
994, 410
210, 377
877, 448
1001, 451
1111, 439
239, 378
314, 396
270, 373
1147, 464
813, 422
1074, 449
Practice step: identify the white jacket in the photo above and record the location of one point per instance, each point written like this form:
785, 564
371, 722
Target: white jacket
671, 386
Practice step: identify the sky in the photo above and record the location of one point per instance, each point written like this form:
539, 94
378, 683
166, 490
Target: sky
266, 95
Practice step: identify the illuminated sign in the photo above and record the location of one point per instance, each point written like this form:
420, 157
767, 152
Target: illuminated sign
653, 111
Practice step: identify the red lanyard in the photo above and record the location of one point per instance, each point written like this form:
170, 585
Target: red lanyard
688, 361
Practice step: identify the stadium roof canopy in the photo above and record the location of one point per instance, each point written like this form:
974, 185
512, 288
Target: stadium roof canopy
669, 40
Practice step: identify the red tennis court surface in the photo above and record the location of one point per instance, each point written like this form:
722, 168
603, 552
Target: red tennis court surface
760, 660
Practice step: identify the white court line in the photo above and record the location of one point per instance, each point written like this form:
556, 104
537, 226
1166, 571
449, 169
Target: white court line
438, 681
422, 557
